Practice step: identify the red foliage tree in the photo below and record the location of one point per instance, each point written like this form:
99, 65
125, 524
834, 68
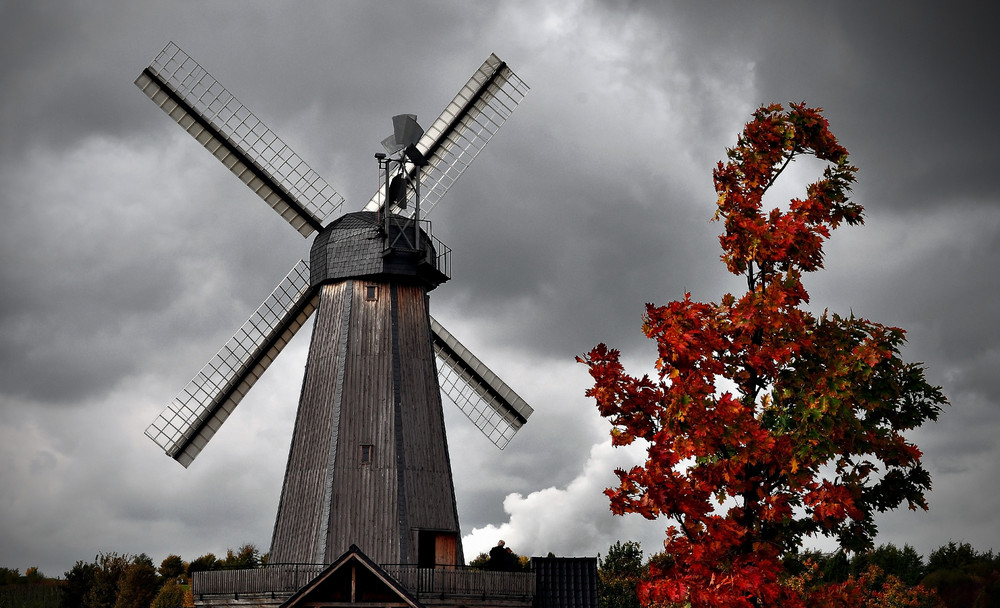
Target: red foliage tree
810, 441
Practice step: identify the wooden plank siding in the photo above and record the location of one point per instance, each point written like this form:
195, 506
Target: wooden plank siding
363, 501
428, 484
370, 380
296, 536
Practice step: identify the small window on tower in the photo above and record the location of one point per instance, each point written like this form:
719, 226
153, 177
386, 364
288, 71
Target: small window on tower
366, 453
371, 292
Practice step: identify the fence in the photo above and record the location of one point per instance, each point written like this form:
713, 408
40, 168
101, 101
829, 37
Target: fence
420, 582
272, 578
463, 582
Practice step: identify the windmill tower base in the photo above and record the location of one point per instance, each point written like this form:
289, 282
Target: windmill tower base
369, 464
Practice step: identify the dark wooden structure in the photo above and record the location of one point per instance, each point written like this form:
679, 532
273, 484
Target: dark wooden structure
368, 468
369, 463
353, 580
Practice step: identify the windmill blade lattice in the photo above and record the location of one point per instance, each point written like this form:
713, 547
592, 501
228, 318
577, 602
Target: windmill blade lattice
194, 416
461, 131
231, 132
488, 402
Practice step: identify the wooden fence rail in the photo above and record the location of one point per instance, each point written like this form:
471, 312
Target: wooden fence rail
286, 578
265, 579
463, 581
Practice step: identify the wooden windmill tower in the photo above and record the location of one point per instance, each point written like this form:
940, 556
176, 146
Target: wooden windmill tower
368, 463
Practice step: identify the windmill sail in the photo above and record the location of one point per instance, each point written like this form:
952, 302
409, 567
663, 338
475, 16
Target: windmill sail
489, 403
186, 425
462, 130
231, 132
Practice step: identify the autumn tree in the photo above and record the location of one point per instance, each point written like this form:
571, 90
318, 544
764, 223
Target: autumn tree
111, 581
108, 570
33, 575
905, 564
139, 584
171, 595
764, 422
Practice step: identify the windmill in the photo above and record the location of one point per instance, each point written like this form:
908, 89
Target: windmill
368, 462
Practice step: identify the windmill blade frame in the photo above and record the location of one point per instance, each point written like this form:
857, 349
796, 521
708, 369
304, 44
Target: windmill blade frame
483, 397
461, 132
233, 134
185, 426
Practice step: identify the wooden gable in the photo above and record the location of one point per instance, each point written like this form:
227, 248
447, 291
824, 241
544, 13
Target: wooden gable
353, 581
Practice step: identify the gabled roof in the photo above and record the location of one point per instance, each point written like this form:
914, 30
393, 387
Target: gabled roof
352, 580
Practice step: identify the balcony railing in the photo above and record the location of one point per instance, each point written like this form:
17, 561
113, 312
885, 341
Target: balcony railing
420, 582
272, 578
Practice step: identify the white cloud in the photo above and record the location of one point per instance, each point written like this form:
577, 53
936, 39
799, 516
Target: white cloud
574, 520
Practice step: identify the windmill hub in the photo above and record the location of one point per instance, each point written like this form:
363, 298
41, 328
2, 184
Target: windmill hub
357, 245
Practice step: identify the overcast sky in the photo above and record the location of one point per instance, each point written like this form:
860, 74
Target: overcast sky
130, 255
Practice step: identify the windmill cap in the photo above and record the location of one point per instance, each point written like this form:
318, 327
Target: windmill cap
357, 246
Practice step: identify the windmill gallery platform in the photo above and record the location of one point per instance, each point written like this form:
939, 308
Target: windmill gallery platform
354, 581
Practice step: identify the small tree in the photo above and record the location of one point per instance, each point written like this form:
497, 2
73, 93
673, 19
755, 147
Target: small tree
810, 439
205, 562
9, 576
171, 567
247, 556
480, 561
139, 584
963, 576
171, 595
79, 580
109, 568
618, 574
905, 564
955, 556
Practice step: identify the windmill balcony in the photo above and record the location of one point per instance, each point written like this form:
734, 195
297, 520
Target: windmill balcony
271, 584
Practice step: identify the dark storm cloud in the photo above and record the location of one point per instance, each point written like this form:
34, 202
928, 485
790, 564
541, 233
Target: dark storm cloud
910, 82
60, 62
130, 256
915, 76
